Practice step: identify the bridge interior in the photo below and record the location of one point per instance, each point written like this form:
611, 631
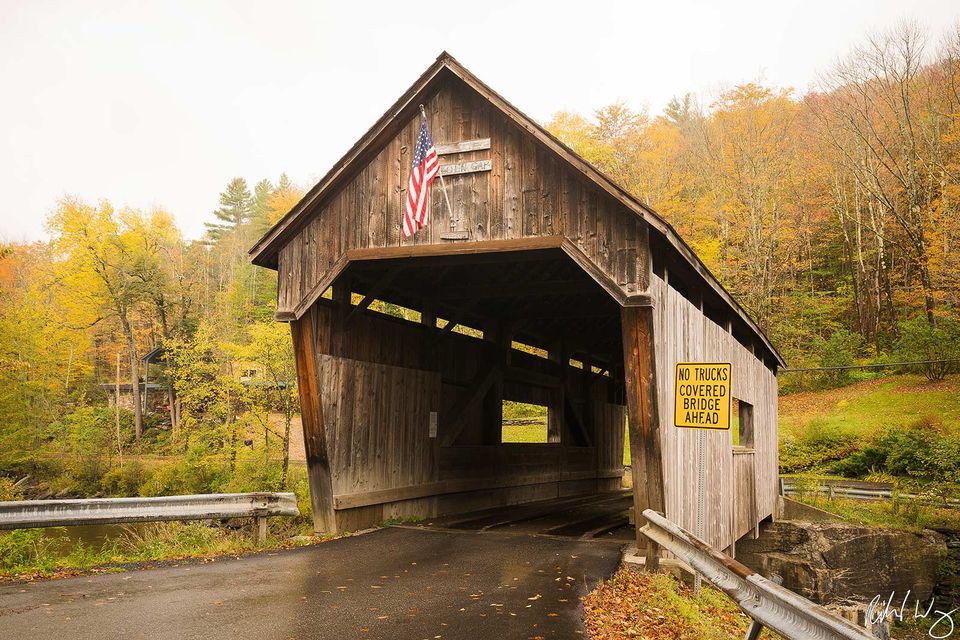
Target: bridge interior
601, 516
416, 356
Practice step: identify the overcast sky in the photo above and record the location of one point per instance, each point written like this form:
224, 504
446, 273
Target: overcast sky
159, 104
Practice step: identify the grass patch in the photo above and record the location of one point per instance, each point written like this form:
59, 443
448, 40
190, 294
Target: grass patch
633, 604
896, 513
901, 426
871, 406
521, 433
27, 554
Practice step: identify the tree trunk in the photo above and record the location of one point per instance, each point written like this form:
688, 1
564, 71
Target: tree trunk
134, 376
174, 414
287, 418
925, 281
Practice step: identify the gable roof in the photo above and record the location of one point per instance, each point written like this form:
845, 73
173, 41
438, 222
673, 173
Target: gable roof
265, 252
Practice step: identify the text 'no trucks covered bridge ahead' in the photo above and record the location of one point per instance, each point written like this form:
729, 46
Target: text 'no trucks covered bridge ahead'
403, 418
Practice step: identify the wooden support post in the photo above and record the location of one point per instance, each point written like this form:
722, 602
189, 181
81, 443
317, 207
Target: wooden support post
342, 297
556, 413
495, 332
641, 384
430, 355
428, 314
311, 412
260, 523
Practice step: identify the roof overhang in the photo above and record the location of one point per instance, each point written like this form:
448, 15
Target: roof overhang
265, 252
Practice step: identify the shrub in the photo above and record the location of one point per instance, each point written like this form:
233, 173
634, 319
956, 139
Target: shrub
919, 340
7, 490
87, 437
125, 481
27, 548
255, 472
839, 350
922, 450
298, 482
187, 477
820, 443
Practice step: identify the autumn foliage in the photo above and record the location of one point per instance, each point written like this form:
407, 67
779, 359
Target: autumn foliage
832, 210
656, 606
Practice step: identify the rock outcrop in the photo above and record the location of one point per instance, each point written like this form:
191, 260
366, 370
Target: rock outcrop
834, 561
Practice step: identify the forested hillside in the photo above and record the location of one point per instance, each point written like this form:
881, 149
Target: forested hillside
79, 313
832, 216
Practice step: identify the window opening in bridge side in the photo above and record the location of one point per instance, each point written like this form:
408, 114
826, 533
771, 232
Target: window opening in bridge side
524, 423
741, 423
532, 350
461, 329
395, 310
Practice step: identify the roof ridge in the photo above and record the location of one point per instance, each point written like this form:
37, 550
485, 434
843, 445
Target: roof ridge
260, 252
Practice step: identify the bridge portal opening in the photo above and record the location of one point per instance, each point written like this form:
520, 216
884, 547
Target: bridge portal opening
416, 358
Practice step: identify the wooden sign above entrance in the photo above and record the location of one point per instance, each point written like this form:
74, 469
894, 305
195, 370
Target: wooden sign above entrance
463, 146
702, 395
465, 167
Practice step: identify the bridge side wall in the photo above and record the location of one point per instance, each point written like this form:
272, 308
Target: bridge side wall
378, 383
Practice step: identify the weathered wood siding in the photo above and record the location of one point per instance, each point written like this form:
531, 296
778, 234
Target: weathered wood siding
377, 420
379, 381
744, 491
529, 192
684, 334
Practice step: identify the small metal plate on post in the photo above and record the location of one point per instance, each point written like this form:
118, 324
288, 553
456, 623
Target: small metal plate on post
454, 235
433, 424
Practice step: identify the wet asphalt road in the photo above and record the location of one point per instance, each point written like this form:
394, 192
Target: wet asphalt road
394, 583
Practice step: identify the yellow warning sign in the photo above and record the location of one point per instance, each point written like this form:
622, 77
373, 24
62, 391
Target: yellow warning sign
702, 395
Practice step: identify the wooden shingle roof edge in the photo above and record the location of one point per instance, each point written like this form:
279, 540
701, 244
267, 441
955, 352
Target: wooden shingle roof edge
264, 251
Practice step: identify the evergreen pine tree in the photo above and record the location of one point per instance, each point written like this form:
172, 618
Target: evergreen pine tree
235, 210
679, 111
284, 184
260, 207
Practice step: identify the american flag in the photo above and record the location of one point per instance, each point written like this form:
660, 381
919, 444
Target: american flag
426, 163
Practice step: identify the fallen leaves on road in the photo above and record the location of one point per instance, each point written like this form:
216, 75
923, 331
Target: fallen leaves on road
633, 604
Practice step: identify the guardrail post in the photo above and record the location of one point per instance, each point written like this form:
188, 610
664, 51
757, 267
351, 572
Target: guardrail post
753, 631
261, 525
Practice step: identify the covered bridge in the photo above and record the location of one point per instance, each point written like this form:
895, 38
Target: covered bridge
544, 283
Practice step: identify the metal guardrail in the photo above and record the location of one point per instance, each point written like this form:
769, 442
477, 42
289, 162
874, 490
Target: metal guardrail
26, 514
768, 603
858, 491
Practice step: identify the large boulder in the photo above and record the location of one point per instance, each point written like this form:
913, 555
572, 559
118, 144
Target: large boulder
831, 562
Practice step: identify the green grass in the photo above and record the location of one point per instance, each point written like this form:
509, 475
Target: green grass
896, 427
520, 433
865, 408
907, 515
30, 553
537, 433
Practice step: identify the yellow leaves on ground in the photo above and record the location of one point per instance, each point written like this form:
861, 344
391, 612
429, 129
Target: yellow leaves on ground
633, 604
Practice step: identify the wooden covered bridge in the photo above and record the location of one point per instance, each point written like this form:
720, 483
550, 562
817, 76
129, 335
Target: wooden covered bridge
543, 283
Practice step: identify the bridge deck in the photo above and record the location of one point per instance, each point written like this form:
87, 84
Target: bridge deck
595, 516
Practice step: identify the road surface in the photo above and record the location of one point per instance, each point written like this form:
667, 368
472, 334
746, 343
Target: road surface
393, 583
